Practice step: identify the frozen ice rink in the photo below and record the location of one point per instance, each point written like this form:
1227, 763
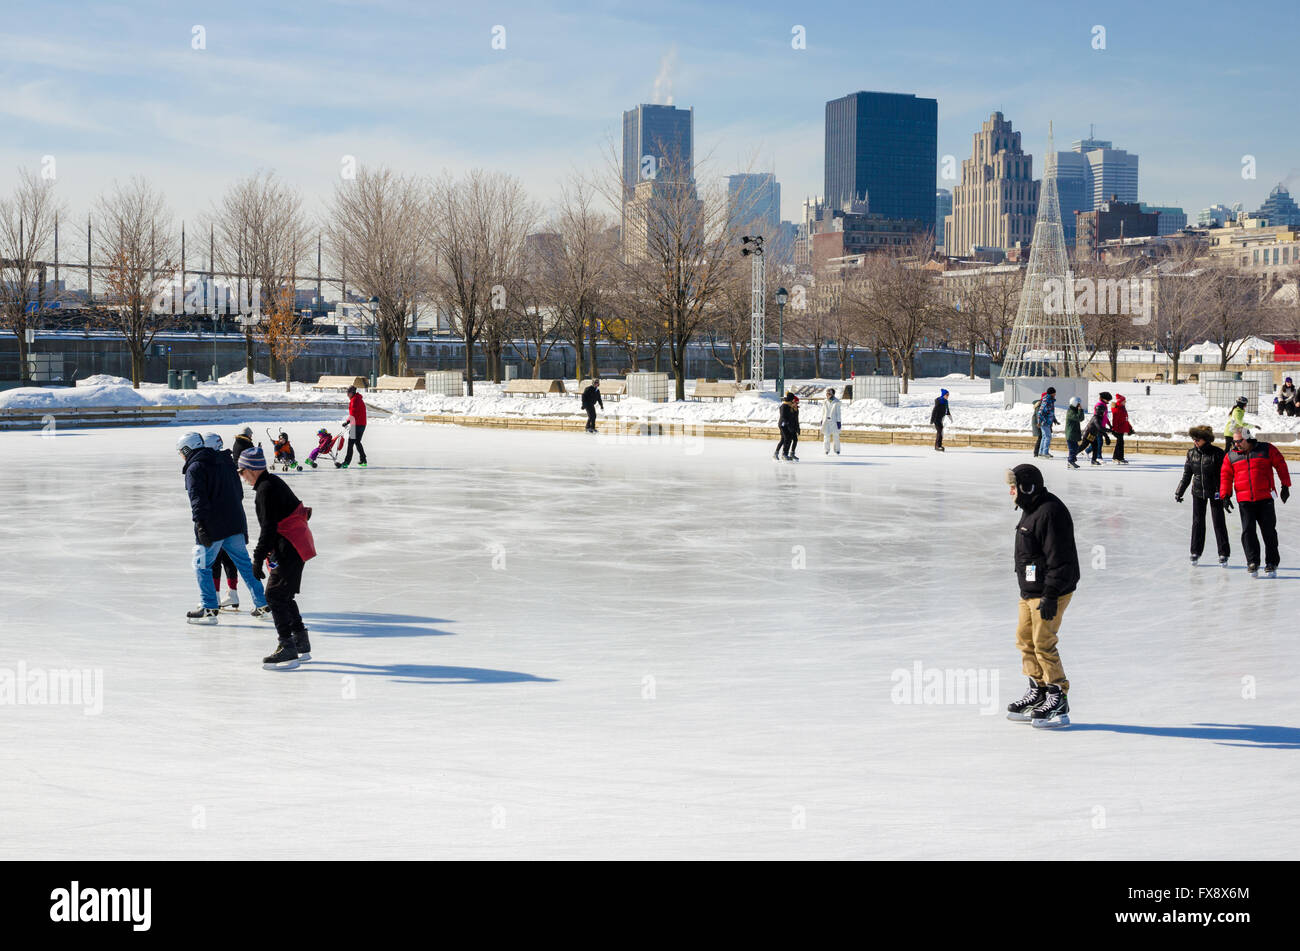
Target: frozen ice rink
554, 645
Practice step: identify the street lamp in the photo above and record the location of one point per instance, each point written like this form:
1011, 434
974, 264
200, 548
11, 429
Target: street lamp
374, 341
782, 295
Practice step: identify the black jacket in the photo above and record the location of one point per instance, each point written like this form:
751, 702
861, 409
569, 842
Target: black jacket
789, 417
591, 397
275, 501
939, 412
216, 496
237, 447
1045, 540
1202, 470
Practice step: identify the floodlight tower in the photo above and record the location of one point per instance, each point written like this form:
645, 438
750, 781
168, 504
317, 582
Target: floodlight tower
753, 245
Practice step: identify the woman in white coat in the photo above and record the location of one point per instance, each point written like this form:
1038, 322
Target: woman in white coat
831, 423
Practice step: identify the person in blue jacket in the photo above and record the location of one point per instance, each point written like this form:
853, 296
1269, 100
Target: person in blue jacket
217, 508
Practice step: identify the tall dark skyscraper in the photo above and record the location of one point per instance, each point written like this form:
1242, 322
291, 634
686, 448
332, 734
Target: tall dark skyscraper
884, 145
664, 133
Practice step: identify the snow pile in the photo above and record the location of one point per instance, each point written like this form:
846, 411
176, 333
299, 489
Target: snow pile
104, 379
240, 378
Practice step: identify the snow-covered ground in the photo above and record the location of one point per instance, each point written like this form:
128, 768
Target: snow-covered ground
552, 644
1167, 412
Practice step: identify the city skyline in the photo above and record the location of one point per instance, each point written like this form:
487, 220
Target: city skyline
111, 94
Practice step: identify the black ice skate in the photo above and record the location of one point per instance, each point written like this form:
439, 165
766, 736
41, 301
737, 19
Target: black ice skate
1252, 570
1223, 562
1195, 560
1020, 710
202, 615
793, 458
284, 657
1270, 571
261, 614
1054, 711
302, 645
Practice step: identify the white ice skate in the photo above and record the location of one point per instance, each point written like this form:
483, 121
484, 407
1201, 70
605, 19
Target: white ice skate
231, 600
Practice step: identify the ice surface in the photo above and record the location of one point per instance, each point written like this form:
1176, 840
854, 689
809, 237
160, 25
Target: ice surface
558, 645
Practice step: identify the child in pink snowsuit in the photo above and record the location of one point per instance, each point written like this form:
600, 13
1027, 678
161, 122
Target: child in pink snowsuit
325, 443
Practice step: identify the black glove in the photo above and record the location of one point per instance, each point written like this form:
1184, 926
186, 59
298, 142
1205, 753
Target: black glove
1178, 496
1047, 608
201, 534
258, 572
1227, 505
1285, 493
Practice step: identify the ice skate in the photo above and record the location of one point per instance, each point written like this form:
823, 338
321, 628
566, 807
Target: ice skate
231, 600
302, 644
1054, 711
1195, 560
202, 615
261, 614
284, 657
793, 457
1072, 464
1223, 562
1252, 570
1020, 710
1270, 571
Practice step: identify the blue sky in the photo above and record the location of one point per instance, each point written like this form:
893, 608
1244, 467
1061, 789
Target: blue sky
115, 90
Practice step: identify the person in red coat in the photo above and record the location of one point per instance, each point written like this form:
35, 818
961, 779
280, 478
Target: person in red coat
1248, 470
1120, 426
357, 421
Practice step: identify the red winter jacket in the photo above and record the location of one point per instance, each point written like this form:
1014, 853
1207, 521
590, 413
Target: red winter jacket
357, 409
1119, 423
1250, 473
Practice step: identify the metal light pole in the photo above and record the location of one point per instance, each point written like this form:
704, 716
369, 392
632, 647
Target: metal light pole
758, 292
782, 295
374, 341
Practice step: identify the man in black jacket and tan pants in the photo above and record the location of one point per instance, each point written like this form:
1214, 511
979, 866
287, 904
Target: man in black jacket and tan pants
1047, 570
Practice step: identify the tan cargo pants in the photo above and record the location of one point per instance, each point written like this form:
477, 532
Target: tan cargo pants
1036, 639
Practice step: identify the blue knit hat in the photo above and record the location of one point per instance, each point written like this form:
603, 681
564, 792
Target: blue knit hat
252, 459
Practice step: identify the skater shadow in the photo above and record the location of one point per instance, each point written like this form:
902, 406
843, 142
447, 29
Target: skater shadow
376, 625
1226, 734
426, 673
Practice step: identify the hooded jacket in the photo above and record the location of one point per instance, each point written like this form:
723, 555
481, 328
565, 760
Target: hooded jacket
1119, 423
1046, 559
216, 495
1074, 423
831, 415
940, 411
1202, 471
1250, 473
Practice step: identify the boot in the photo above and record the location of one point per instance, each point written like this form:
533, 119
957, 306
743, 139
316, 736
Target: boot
302, 644
1020, 710
1054, 711
284, 657
202, 615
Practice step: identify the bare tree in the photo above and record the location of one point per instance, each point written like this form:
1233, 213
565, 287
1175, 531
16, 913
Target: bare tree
1180, 313
584, 274
532, 302
1105, 303
477, 227
28, 217
282, 331
261, 234
136, 249
1232, 308
986, 311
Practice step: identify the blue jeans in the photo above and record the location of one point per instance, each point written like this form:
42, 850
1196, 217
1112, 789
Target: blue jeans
1073, 446
238, 552
1045, 443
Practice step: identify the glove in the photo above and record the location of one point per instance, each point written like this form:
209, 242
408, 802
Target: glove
201, 534
259, 572
1227, 505
1178, 496
1285, 493
1047, 608
837, 426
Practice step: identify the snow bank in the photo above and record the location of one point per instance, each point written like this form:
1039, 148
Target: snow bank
240, 378
104, 379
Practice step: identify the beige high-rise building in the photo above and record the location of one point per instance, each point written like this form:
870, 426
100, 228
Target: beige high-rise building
997, 201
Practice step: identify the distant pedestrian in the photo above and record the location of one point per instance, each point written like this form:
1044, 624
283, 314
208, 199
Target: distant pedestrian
243, 440
796, 432
1202, 471
356, 428
1033, 422
223, 564
831, 422
1248, 470
1073, 431
1236, 420
937, 416
1047, 571
590, 400
1286, 398
1120, 426
1098, 426
787, 424
1046, 420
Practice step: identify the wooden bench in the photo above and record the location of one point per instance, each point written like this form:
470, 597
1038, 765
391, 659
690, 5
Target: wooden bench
534, 388
716, 391
406, 383
340, 382
609, 389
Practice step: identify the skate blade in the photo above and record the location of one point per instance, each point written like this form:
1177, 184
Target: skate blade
305, 657
1053, 723
203, 621
283, 665
232, 608
1019, 717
